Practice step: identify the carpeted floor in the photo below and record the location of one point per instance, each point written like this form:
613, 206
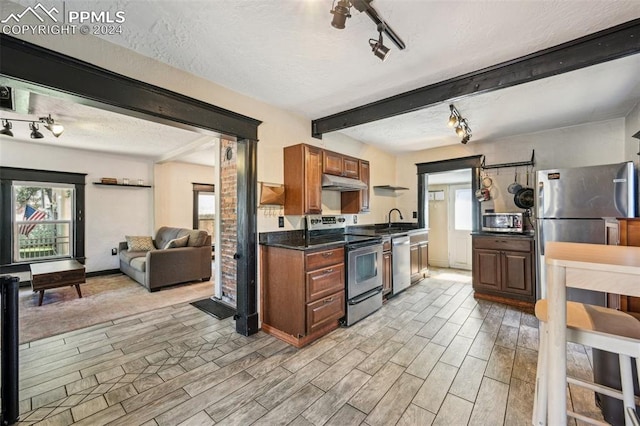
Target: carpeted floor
103, 299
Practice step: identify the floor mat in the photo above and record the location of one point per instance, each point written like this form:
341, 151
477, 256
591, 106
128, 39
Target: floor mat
214, 308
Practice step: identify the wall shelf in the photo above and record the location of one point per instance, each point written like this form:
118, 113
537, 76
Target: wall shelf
391, 188
531, 163
123, 185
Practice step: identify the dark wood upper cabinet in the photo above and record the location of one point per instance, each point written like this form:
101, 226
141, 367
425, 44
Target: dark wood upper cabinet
340, 165
302, 180
303, 169
358, 201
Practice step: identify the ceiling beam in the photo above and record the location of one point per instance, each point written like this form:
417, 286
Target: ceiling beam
25, 61
199, 144
612, 43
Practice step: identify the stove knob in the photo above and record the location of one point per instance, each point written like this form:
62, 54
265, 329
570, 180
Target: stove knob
341, 219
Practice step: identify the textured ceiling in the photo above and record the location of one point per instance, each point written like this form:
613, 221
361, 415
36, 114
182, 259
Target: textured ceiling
99, 130
285, 53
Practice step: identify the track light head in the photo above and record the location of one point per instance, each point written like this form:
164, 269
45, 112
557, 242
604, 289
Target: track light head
35, 134
6, 128
52, 126
453, 118
340, 13
378, 48
465, 139
460, 130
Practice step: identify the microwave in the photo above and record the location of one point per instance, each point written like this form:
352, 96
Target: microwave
502, 222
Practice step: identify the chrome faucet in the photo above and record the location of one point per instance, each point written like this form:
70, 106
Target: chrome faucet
391, 211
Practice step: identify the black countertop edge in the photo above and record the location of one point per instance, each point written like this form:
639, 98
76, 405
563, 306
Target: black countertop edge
524, 235
294, 240
302, 245
397, 229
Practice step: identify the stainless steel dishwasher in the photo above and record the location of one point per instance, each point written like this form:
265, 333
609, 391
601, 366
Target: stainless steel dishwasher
401, 255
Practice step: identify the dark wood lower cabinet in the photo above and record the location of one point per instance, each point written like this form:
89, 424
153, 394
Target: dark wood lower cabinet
504, 269
419, 251
303, 294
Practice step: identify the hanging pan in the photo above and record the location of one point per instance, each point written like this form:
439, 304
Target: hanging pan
524, 197
482, 193
515, 186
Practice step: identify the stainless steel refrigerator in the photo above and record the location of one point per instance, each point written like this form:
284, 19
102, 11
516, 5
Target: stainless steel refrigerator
571, 205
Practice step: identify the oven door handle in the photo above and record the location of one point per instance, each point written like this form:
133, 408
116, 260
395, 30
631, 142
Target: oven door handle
365, 296
368, 248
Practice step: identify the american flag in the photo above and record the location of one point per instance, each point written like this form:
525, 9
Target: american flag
31, 214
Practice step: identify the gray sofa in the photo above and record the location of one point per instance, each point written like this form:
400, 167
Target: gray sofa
162, 267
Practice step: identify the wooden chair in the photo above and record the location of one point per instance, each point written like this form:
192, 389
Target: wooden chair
599, 328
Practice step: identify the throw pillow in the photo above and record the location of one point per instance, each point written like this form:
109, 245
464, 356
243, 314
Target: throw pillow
177, 242
139, 243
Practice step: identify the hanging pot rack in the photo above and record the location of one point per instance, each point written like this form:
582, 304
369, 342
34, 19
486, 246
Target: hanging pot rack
505, 165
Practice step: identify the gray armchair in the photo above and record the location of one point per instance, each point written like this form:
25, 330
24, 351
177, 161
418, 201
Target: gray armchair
163, 267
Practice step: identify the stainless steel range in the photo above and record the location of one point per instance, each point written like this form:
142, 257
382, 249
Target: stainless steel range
363, 265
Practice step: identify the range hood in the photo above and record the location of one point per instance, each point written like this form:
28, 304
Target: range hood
339, 183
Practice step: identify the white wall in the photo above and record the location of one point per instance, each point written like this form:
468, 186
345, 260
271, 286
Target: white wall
173, 192
585, 145
110, 212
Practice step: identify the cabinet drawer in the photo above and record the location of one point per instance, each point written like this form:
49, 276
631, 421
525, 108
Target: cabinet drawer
505, 243
321, 259
386, 245
323, 282
325, 311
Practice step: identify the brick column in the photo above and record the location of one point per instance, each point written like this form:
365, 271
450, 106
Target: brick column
228, 199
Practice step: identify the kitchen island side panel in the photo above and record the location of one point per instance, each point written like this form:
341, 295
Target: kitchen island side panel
283, 290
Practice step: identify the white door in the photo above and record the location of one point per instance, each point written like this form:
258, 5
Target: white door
460, 220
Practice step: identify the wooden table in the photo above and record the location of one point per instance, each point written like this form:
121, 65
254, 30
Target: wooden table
612, 269
47, 275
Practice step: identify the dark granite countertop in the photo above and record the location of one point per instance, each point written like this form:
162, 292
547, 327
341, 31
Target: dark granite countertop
525, 235
396, 229
295, 240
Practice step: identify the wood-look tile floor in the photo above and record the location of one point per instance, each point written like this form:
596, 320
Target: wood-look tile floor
431, 355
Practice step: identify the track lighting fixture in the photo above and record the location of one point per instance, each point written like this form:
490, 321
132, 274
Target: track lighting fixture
53, 127
49, 123
378, 48
461, 125
340, 14
6, 128
35, 134
342, 10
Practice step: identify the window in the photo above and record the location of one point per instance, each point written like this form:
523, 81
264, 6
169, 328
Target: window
462, 216
204, 207
43, 220
41, 215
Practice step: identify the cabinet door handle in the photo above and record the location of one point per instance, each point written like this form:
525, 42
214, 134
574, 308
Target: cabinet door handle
328, 300
328, 271
327, 254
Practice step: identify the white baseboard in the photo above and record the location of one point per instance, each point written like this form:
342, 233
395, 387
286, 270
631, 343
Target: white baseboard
439, 263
